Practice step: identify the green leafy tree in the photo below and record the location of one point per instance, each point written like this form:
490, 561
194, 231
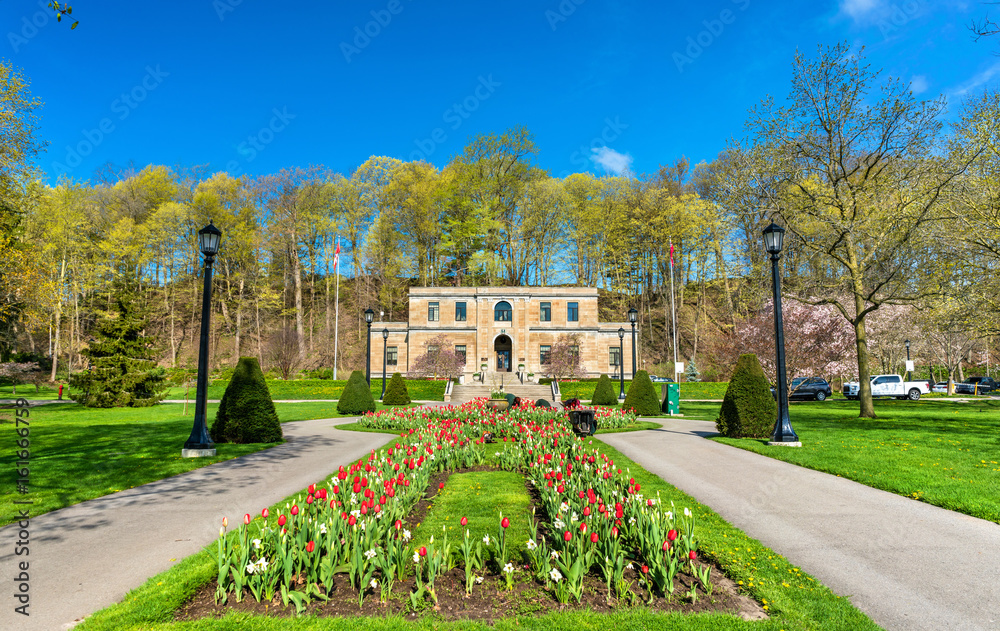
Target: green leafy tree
604, 392
357, 396
642, 396
396, 392
246, 413
748, 409
122, 368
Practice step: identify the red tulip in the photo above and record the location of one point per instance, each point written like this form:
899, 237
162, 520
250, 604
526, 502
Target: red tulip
440, 486
593, 537
422, 551
225, 522
295, 510
692, 555
583, 526
246, 519
671, 535
263, 513
281, 520
336, 489
310, 546
351, 520
465, 521
505, 523
666, 546
586, 511
310, 499
567, 535
399, 524
614, 531
645, 569
312, 488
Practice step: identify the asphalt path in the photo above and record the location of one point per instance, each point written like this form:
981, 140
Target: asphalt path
86, 557
907, 564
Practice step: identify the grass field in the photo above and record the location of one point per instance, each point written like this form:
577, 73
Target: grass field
80, 453
794, 600
941, 452
584, 390
419, 389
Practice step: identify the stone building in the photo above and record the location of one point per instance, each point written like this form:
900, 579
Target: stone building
502, 328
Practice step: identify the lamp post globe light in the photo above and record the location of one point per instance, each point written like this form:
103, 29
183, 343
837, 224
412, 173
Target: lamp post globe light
621, 364
369, 318
783, 433
385, 356
199, 444
633, 316
907, 342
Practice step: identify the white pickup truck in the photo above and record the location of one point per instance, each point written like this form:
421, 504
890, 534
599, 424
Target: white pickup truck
888, 386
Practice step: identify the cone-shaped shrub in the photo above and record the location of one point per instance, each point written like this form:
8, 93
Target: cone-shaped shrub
246, 413
748, 409
642, 396
357, 396
396, 392
604, 393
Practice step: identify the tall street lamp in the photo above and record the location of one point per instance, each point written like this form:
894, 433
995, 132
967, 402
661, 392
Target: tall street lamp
369, 318
385, 356
633, 316
907, 342
783, 432
621, 364
199, 443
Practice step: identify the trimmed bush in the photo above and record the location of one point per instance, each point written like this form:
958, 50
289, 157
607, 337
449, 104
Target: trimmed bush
357, 396
642, 396
396, 392
604, 393
748, 409
246, 413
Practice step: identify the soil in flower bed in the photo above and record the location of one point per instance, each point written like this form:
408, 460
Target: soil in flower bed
489, 600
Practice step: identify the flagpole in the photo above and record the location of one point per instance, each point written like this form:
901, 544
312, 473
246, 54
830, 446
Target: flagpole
673, 311
336, 299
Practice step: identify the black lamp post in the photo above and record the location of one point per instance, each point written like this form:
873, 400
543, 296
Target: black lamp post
385, 356
621, 364
369, 318
907, 342
633, 316
783, 432
199, 443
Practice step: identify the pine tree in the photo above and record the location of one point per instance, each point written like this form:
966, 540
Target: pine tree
641, 396
691, 374
748, 409
604, 392
122, 368
246, 413
396, 392
357, 396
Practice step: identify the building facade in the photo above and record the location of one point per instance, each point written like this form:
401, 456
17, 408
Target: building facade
502, 328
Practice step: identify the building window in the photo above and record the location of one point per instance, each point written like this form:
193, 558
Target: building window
391, 356
572, 311
460, 351
503, 312
543, 353
614, 356
545, 313
433, 312
459, 312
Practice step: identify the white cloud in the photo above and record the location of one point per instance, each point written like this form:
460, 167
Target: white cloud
611, 160
979, 79
859, 9
919, 84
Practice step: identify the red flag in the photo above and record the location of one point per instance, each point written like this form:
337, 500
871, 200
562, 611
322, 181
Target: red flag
336, 255
671, 253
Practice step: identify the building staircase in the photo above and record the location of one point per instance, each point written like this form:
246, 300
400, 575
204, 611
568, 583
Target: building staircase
463, 393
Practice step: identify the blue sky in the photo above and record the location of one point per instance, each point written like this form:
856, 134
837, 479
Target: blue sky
252, 87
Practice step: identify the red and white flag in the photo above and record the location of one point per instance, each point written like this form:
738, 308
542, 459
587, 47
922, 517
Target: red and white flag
336, 255
671, 254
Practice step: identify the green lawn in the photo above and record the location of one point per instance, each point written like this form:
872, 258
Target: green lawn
80, 453
584, 390
794, 600
419, 389
28, 391
940, 452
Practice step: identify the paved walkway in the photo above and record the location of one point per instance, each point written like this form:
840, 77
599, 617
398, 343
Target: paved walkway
907, 564
86, 557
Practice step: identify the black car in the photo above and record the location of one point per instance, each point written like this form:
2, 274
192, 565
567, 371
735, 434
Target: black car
977, 385
809, 388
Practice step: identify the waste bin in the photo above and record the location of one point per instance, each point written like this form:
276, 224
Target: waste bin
672, 402
583, 422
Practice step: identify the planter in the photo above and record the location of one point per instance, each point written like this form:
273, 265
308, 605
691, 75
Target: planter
497, 404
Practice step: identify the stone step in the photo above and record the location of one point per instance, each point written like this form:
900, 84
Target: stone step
463, 393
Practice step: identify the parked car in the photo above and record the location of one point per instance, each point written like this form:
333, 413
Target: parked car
815, 388
889, 386
656, 379
940, 387
977, 385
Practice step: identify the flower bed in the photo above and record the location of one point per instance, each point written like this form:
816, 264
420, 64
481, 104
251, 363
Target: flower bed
594, 525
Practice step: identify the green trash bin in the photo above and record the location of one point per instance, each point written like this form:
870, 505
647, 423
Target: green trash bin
672, 402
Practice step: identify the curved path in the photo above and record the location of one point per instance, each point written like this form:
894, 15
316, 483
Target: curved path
907, 564
88, 556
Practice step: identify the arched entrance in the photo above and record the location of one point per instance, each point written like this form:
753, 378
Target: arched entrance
503, 349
